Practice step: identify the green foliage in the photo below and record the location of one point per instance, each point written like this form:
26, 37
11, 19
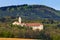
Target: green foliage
15, 31
30, 12
51, 29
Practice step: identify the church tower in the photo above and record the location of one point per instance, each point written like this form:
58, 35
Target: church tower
20, 20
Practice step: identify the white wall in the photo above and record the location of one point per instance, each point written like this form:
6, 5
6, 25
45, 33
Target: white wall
38, 27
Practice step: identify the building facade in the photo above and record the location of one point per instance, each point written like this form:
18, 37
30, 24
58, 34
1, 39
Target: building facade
33, 25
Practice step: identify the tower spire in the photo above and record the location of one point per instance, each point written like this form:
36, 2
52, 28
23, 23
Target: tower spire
20, 20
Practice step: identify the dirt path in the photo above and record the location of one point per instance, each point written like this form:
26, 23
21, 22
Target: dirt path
15, 39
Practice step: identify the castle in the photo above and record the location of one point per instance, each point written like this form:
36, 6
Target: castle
33, 25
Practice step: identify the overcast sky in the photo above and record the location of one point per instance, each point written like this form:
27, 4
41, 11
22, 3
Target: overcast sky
51, 3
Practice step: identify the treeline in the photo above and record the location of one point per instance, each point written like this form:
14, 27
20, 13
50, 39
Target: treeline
30, 12
14, 31
50, 32
44, 21
51, 29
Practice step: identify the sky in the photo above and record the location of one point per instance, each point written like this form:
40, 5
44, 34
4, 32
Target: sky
51, 3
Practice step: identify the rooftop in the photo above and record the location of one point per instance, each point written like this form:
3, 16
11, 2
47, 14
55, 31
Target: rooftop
33, 24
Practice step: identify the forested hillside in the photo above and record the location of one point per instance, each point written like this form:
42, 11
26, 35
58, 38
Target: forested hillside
30, 12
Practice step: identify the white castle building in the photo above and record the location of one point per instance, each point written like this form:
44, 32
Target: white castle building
18, 22
33, 25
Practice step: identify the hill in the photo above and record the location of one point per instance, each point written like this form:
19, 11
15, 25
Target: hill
30, 12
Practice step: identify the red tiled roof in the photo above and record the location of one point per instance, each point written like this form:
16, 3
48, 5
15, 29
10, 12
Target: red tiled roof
32, 24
